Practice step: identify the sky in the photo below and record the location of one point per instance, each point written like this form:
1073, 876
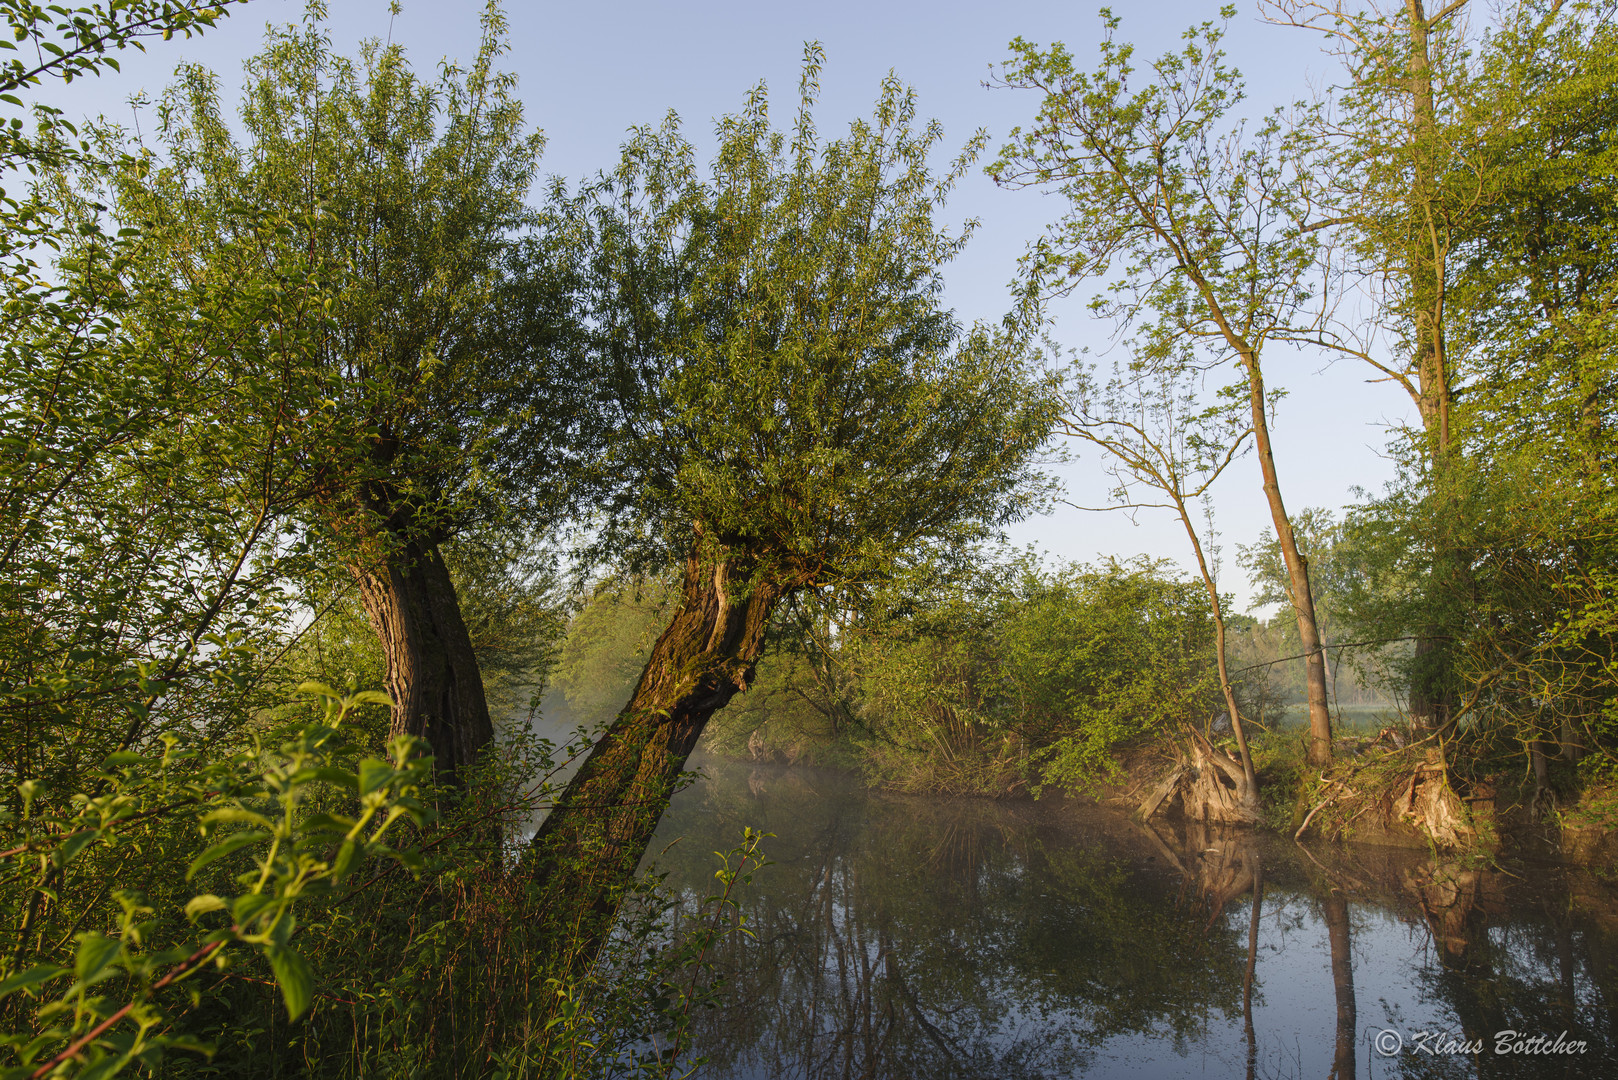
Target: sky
589, 72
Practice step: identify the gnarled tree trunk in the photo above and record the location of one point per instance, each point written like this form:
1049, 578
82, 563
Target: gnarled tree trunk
1247, 783
433, 674
1221, 789
587, 849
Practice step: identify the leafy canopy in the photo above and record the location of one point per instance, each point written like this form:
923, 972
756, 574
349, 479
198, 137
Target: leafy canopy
789, 381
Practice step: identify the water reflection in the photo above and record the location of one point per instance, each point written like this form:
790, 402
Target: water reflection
910, 937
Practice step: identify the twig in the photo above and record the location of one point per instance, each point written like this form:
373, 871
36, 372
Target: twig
1323, 648
190, 964
1311, 815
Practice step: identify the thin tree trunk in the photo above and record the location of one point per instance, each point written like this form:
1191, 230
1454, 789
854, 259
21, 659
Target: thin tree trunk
1427, 280
588, 847
1335, 909
433, 674
1303, 601
1250, 976
1248, 793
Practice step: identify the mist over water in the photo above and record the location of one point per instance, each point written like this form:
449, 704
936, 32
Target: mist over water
902, 936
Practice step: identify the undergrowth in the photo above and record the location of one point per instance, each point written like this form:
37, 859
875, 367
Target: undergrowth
302, 907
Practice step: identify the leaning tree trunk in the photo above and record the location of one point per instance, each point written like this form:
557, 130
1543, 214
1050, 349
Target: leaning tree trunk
1303, 601
433, 675
587, 849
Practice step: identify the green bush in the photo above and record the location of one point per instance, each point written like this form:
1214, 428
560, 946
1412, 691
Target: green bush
303, 906
1029, 677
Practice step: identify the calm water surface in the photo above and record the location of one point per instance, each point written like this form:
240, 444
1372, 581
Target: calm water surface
908, 937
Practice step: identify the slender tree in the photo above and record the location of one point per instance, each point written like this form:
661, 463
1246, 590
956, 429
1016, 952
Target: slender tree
1156, 435
1407, 149
1200, 216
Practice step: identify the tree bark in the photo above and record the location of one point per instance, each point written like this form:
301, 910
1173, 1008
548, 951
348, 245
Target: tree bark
433, 674
1303, 600
1207, 798
1335, 910
588, 847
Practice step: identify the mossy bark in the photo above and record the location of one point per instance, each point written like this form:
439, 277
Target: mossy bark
587, 849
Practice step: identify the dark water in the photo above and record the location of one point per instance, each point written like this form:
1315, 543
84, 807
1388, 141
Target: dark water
913, 937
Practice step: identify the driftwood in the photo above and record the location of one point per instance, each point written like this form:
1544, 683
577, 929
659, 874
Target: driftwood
1161, 792
1310, 816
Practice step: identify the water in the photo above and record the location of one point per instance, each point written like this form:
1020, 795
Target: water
899, 936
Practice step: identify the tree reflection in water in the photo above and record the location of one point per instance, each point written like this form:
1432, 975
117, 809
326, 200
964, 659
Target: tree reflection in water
916, 937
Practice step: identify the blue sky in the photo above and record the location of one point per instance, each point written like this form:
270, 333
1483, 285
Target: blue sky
588, 72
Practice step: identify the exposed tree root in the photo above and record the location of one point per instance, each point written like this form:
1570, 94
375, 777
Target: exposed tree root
1209, 785
1410, 787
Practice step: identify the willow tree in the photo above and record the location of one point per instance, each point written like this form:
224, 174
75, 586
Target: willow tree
801, 415
426, 398
1193, 219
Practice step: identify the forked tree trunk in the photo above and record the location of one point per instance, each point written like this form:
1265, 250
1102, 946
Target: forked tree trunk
587, 849
433, 675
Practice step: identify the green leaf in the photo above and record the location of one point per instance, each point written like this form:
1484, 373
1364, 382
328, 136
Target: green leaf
106, 1067
95, 952
328, 774
73, 845
347, 856
201, 905
225, 847
237, 814
249, 905
292, 974
322, 823
32, 977
374, 774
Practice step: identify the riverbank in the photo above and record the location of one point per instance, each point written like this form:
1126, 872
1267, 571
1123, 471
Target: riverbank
1377, 791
